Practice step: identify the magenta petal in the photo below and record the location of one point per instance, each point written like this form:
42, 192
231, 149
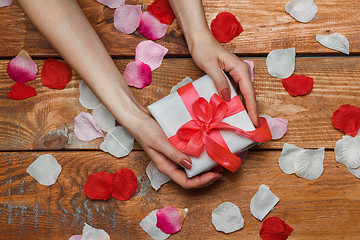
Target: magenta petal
5, 3
86, 128
112, 3
251, 64
170, 219
278, 127
138, 74
151, 27
22, 68
150, 53
127, 18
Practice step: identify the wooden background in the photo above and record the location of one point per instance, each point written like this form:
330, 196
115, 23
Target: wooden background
326, 208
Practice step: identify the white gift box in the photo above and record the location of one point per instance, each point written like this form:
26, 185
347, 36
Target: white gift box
171, 113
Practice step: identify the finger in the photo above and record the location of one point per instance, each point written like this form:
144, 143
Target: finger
219, 79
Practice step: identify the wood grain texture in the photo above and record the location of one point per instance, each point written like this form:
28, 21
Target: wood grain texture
266, 27
326, 208
47, 120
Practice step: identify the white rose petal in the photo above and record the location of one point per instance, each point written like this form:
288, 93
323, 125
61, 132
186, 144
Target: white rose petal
227, 218
302, 10
263, 202
45, 169
335, 41
156, 177
118, 142
281, 62
104, 119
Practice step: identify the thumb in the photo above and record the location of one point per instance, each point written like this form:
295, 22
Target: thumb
219, 79
175, 155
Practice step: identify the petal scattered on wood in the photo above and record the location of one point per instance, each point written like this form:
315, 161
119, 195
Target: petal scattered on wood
162, 10
55, 74
263, 202
98, 186
335, 41
302, 10
281, 62
148, 224
138, 74
150, 53
298, 85
75, 237
227, 218
124, 184
181, 84
5, 3
86, 128
127, 18
347, 151
118, 142
45, 169
170, 219
273, 228
103, 118
347, 119
91, 233
151, 27
112, 3
251, 64
278, 126
87, 98
156, 177
225, 27
22, 68
288, 153
20, 91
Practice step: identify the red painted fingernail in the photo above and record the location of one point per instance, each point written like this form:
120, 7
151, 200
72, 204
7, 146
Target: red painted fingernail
226, 94
186, 163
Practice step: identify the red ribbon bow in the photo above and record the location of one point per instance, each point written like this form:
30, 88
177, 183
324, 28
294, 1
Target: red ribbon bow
203, 130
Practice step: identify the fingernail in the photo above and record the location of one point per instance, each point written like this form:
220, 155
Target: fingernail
186, 163
226, 94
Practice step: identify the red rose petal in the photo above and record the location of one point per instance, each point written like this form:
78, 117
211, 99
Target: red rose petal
98, 186
298, 85
125, 184
225, 27
273, 228
55, 74
347, 119
20, 91
161, 9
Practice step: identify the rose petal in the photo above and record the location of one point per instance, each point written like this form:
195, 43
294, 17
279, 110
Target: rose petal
87, 98
225, 27
98, 186
103, 118
91, 233
162, 10
127, 18
181, 84
302, 10
278, 127
112, 3
170, 219
335, 41
251, 64
347, 151
5, 3
150, 53
124, 184
298, 85
273, 228
347, 119
55, 74
118, 142
354, 171
86, 128
288, 153
281, 62
22, 68
227, 218
148, 224
156, 177
151, 27
45, 169
263, 202
75, 237
20, 91
138, 74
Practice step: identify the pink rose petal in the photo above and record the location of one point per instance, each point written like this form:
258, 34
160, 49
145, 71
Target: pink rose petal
127, 18
251, 64
170, 219
75, 237
22, 68
5, 3
86, 128
112, 3
150, 53
138, 74
151, 27
278, 127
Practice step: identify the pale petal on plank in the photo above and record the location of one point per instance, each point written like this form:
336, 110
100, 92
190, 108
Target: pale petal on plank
91, 233
263, 202
118, 142
157, 178
86, 128
227, 218
127, 18
347, 151
281, 62
309, 164
335, 41
5, 3
150, 53
148, 224
87, 98
45, 169
104, 119
302, 10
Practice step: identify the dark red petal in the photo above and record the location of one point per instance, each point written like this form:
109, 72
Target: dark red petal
98, 186
125, 184
161, 9
21, 91
273, 228
225, 27
298, 85
347, 119
55, 74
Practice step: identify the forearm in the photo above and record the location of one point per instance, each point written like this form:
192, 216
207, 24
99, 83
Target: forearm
66, 27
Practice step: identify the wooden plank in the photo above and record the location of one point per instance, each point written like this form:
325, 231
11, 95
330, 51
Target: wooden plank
46, 121
267, 27
326, 208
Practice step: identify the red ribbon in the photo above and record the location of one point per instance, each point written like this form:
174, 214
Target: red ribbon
204, 128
